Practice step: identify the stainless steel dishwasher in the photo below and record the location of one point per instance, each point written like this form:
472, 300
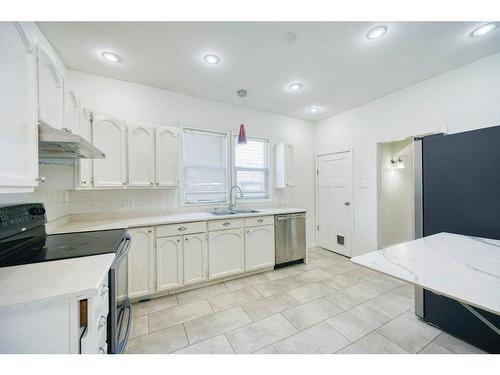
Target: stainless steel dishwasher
290, 237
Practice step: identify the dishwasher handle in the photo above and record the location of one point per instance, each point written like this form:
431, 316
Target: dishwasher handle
291, 216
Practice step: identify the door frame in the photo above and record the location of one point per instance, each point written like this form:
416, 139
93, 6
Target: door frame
316, 191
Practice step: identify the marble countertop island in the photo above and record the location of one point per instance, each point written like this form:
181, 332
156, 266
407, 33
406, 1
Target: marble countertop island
464, 268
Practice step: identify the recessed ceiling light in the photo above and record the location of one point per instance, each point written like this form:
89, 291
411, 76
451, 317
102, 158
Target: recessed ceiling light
313, 109
376, 32
211, 59
111, 57
485, 29
295, 86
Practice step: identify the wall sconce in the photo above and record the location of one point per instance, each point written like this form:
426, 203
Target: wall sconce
397, 162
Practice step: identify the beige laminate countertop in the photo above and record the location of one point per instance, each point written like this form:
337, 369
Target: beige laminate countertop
144, 221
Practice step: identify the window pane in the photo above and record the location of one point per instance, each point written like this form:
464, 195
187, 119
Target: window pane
252, 182
205, 166
251, 155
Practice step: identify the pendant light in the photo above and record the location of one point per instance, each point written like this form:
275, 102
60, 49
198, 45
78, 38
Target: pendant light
242, 136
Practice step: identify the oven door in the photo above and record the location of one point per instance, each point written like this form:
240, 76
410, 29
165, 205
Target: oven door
120, 316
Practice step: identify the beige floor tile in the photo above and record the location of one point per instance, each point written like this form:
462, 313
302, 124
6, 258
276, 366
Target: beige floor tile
265, 307
389, 282
283, 272
139, 327
310, 292
267, 350
409, 332
372, 343
368, 289
344, 300
233, 299
215, 345
456, 345
153, 305
357, 322
434, 348
407, 290
201, 293
164, 341
319, 339
215, 324
276, 286
344, 280
260, 334
246, 281
335, 269
179, 314
309, 277
391, 304
311, 313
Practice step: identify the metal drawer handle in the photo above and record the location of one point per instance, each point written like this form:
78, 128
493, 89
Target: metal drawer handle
104, 290
102, 322
182, 229
260, 221
101, 350
226, 223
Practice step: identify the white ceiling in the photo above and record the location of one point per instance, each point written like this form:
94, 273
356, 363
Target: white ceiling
338, 66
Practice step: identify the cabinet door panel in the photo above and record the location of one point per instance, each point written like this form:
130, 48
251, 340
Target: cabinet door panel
18, 124
195, 258
84, 174
167, 156
71, 112
169, 263
141, 155
108, 135
50, 92
141, 262
259, 247
226, 253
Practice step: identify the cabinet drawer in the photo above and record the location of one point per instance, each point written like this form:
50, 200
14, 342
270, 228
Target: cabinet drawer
182, 228
225, 224
258, 221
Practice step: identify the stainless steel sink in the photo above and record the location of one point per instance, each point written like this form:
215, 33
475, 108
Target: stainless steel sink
231, 212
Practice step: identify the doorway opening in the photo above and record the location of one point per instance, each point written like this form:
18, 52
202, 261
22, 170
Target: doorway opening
396, 192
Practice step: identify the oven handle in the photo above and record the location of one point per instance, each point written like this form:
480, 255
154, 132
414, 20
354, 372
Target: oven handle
122, 344
123, 248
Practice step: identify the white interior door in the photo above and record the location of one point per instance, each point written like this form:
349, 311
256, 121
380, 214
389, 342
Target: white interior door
335, 202
141, 155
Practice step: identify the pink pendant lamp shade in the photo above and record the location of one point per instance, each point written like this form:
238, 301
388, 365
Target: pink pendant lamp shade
242, 136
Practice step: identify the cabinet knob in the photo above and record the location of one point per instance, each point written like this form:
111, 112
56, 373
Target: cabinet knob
152, 183
150, 231
185, 239
157, 183
40, 179
84, 182
101, 350
226, 223
260, 221
182, 229
178, 240
347, 203
124, 183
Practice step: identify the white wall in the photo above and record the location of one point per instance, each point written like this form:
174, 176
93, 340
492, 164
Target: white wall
137, 103
395, 194
463, 99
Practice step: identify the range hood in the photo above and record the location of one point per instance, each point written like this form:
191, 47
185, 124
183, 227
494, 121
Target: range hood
58, 144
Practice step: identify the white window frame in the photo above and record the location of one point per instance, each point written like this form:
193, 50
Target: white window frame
269, 197
228, 168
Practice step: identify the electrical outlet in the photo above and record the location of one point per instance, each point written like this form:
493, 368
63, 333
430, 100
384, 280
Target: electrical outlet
128, 203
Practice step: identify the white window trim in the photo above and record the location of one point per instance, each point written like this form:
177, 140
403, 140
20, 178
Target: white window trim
183, 202
270, 176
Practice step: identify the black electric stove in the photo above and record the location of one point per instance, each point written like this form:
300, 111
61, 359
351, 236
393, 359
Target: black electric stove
23, 238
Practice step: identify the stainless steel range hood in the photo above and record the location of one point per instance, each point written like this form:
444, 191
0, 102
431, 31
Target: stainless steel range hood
58, 144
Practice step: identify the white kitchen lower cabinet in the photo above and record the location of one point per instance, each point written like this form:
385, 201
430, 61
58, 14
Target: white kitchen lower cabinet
226, 253
141, 262
169, 267
259, 247
195, 258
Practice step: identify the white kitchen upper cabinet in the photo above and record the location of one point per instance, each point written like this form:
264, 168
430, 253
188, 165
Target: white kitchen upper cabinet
109, 136
18, 116
50, 91
141, 155
84, 175
285, 158
71, 112
167, 156
195, 258
226, 253
169, 270
259, 247
141, 262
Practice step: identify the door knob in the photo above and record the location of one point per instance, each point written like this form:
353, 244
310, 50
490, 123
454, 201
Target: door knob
347, 203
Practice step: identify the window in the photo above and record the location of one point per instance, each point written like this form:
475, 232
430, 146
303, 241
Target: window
251, 168
205, 172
